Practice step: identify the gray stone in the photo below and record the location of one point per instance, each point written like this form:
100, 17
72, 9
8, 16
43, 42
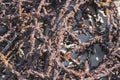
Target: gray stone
97, 57
74, 55
83, 37
3, 30
79, 15
66, 63
84, 57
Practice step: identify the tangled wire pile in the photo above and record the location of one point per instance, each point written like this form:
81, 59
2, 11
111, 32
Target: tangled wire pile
59, 40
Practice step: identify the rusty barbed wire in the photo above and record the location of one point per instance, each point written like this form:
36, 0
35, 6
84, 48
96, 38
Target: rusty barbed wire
56, 39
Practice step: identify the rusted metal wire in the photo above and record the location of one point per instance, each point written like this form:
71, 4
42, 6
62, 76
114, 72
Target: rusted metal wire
59, 39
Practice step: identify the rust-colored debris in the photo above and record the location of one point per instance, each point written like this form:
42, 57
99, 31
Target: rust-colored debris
59, 40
